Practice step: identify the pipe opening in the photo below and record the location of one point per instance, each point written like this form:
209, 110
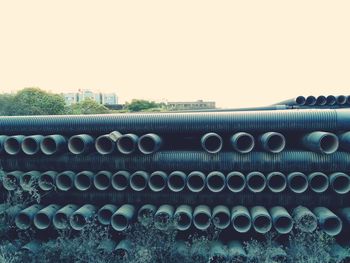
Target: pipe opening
120, 181
221, 219
46, 182
202, 220
83, 181
235, 183
102, 181
332, 226
212, 143
138, 182
10, 182
329, 143
319, 183
64, 181
183, 220
242, 223
12, 146
245, 143
147, 144
298, 183
41, 221
76, 145
157, 181
104, 145
283, 224
30, 146
262, 224
277, 182
307, 223
331, 100
196, 183
310, 100
256, 183
60, 220
162, 219
321, 100
300, 100
77, 221
216, 182
23, 221
26, 180
104, 216
48, 146
126, 144
276, 143
341, 184
145, 215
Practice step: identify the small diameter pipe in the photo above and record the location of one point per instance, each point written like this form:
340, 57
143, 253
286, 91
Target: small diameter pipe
216, 181
242, 142
53, 144
12, 144
236, 251
24, 219
81, 144
304, 219
217, 252
120, 180
256, 182
297, 182
65, 180
127, 143
123, 217
329, 222
183, 217
318, 182
29, 180
163, 217
123, 250
149, 143
276, 182
340, 183
146, 213
11, 180
331, 100
321, 142
202, 217
310, 101
139, 180
241, 219
344, 141
105, 213
47, 180
282, 221
236, 182
61, 218
196, 181
83, 180
106, 144
321, 100
212, 142
102, 180
31, 144
43, 219
273, 142
157, 181
221, 217
82, 216
177, 181
261, 219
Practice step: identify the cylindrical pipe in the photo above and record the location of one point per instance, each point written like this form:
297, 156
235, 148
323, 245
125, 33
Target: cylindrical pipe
31, 144
261, 219
256, 182
297, 182
341, 99
29, 180
235, 181
345, 214
212, 142
123, 250
183, 217
61, 218
321, 100
105, 213
139, 180
273, 142
241, 219
331, 100
318, 182
107, 246
297, 101
2, 142
340, 182
163, 217
81, 144
202, 217
236, 251
282, 221
43, 219
242, 142
310, 101
177, 181
196, 181
102, 180
83, 180
216, 181
106, 144
276, 182
149, 143
217, 252
65, 180
127, 143
329, 222
304, 219
32, 247
122, 217
157, 181
11, 180
146, 213
344, 141
221, 217
82, 216
120, 180
47, 180
321, 142
12, 144
24, 219
53, 144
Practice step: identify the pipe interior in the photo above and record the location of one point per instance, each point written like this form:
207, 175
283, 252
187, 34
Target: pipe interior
46, 181
221, 218
236, 182
126, 144
319, 183
76, 145
277, 182
78, 221
104, 216
256, 182
202, 220
102, 180
12, 146
64, 181
30, 145
329, 143
341, 184
157, 181
48, 145
276, 143
242, 222
104, 145
83, 181
60, 220
298, 182
283, 223
196, 182
213, 143
176, 181
262, 222
216, 182
147, 144
183, 219
42, 220
332, 225
138, 181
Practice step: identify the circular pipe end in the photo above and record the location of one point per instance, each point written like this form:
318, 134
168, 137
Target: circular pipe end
212, 142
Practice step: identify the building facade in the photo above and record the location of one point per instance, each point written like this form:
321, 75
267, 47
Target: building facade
101, 98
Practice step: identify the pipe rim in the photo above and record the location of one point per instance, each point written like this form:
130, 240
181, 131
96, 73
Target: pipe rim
329, 143
139, 181
262, 223
233, 185
242, 223
104, 145
148, 143
340, 183
212, 142
102, 180
83, 181
276, 182
46, 181
76, 144
196, 181
127, 143
48, 145
258, 179
243, 142
64, 181
275, 142
30, 145
12, 145
177, 181
157, 181
216, 181
297, 182
318, 182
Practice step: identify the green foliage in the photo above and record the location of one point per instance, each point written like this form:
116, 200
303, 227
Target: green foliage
142, 105
88, 106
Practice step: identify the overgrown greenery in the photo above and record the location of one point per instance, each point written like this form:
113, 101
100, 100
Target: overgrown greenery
144, 105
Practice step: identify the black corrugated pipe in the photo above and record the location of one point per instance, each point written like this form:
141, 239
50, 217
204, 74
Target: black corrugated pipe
310, 100
344, 141
29, 180
273, 142
242, 142
240, 219
12, 144
81, 144
329, 222
235, 181
183, 217
120, 180
318, 182
106, 144
105, 213
2, 142
340, 182
139, 180
65, 180
297, 182
212, 142
102, 180
24, 219
196, 181
149, 143
282, 221
163, 217
123, 217
276, 182
157, 181
202, 217
127, 143
321, 100
341, 99
31, 144
348, 100
53, 144
11, 180
345, 214
304, 219
216, 181
79, 218
299, 101
146, 213
177, 181
261, 219
43, 219
221, 217
61, 218
331, 100
83, 180
123, 249
47, 180
256, 182
321, 142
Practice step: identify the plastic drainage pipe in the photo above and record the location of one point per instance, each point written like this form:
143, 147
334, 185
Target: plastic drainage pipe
273, 142
28, 180
341, 99
163, 217
242, 142
47, 180
196, 181
221, 217
310, 101
123, 249
11, 180
216, 181
61, 218
331, 100
146, 213
2, 142
261, 219
282, 221
183, 217
212, 142
122, 217
120, 180
344, 141
345, 214
276, 182
149, 143
102, 180
256, 182
83, 180
43, 219
297, 101
297, 182
106, 144
24, 219
304, 219
82, 216
202, 217
107, 246
329, 222
240, 219
236, 251
217, 252
105, 213
81, 144
321, 100
12, 144
321, 142
33, 247
318, 182
127, 143
235, 182
157, 181
177, 181
340, 182
31, 144
139, 180
65, 180
53, 144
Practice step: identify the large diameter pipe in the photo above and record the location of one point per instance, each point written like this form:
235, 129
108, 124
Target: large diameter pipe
106, 144
43, 219
177, 181
321, 100
304, 219
281, 219
123, 250
329, 222
340, 182
212, 142
345, 214
183, 217
82, 216
11, 180
310, 100
344, 141
163, 217
341, 99
157, 181
2, 142
24, 219
217, 252
46, 180
241, 219
276, 182
12, 144
216, 181
331, 100
139, 180
196, 181
120, 180
221, 217
81, 144
202, 217
61, 218
83, 180
122, 218
149, 143
236, 251
235, 181
242, 142
31, 144
256, 182
29, 180
321, 142
297, 101
297, 182
102, 180
53, 144
105, 213
261, 219
318, 182
65, 180
273, 142
127, 143
146, 213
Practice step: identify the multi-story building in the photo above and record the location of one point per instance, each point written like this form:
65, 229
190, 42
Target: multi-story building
102, 98
191, 105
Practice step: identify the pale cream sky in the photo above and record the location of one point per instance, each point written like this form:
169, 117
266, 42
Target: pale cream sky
238, 53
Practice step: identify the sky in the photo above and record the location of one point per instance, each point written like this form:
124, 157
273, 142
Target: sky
237, 53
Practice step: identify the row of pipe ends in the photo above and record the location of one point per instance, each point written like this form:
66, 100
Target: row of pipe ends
321, 100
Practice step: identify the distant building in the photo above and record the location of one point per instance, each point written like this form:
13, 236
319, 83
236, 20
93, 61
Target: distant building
191, 105
102, 98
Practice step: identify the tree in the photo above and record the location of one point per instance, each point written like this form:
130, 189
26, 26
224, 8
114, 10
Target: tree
6, 101
140, 105
88, 106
